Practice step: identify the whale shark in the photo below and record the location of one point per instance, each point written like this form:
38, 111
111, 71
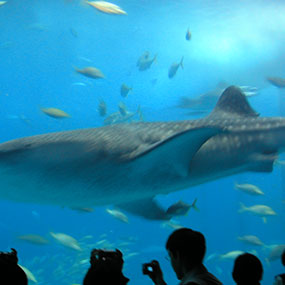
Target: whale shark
129, 164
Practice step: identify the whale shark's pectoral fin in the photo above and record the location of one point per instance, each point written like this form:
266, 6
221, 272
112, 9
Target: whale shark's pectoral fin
262, 162
177, 151
147, 208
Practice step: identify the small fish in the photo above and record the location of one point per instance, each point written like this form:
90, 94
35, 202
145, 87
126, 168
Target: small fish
250, 94
123, 109
118, 117
125, 90
66, 240
231, 254
145, 56
100, 242
102, 108
174, 67
84, 59
91, 72
82, 209
249, 189
181, 208
277, 81
84, 261
107, 7
55, 113
212, 256
79, 84
2, 3
87, 237
29, 274
188, 35
251, 239
104, 244
172, 224
258, 210
144, 62
131, 254
34, 239
21, 117
248, 88
118, 215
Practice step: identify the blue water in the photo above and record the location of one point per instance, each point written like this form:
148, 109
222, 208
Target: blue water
240, 42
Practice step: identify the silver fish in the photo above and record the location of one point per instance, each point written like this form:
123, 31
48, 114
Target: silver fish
174, 67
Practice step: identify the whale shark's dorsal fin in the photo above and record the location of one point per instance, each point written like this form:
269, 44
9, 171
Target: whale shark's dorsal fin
233, 103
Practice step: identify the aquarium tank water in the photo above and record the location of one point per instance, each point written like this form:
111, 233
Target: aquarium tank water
132, 68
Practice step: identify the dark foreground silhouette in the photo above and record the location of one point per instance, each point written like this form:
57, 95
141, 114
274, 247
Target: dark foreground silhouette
247, 270
186, 249
106, 268
10, 271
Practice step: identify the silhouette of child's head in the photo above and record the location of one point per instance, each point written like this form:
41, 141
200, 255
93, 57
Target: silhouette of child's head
247, 269
10, 271
106, 268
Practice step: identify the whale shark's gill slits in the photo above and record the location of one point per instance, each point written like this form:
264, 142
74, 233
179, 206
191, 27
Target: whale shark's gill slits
233, 103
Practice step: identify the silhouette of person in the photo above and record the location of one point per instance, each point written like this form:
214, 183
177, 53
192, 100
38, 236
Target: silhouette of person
186, 249
280, 279
247, 270
106, 268
10, 271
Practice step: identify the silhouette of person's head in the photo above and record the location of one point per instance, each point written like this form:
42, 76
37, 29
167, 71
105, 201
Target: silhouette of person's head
247, 270
106, 268
186, 249
10, 271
